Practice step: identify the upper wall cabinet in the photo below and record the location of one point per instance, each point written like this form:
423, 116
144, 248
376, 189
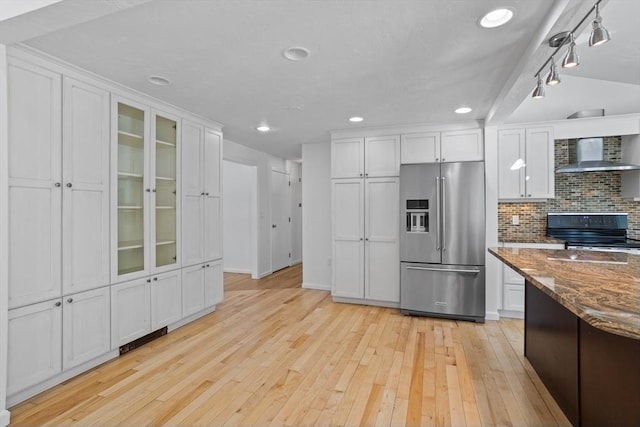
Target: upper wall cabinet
145, 191
58, 185
201, 204
526, 164
438, 147
377, 156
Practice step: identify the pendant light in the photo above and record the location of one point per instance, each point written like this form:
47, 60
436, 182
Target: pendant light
571, 59
539, 90
599, 34
553, 78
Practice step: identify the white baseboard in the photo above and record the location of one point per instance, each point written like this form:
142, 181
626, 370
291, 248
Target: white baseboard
366, 302
236, 270
512, 314
492, 315
316, 286
296, 262
5, 417
261, 275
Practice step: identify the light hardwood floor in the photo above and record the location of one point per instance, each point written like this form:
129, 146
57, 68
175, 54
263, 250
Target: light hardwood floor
276, 354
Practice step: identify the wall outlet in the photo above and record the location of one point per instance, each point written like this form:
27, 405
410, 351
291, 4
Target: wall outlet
515, 220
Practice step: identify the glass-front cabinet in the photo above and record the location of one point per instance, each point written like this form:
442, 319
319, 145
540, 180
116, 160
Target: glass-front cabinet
146, 213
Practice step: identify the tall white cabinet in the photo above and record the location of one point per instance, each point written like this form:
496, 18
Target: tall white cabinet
58, 222
365, 194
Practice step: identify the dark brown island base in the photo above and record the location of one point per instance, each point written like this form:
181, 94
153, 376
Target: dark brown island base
582, 330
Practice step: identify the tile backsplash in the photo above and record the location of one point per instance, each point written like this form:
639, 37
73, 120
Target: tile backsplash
575, 192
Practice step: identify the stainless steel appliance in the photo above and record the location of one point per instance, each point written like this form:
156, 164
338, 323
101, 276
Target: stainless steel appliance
593, 231
442, 244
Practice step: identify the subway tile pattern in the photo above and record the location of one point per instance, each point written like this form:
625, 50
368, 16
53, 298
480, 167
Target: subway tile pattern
575, 192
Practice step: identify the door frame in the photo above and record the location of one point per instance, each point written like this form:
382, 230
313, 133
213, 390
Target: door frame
287, 206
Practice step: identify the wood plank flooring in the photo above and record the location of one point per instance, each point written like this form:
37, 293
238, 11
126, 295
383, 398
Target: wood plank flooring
276, 354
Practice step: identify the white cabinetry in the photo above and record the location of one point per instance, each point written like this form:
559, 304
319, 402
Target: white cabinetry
34, 345
365, 239
166, 299
526, 164
631, 179
51, 336
145, 191
130, 311
377, 156
202, 287
201, 205
438, 147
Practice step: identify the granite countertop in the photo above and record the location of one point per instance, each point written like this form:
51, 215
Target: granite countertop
602, 288
530, 238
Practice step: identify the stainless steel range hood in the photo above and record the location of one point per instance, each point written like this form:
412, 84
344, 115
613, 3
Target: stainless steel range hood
587, 155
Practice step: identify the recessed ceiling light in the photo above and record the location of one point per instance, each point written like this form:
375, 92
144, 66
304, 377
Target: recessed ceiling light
159, 80
296, 53
463, 110
496, 18
355, 119
263, 128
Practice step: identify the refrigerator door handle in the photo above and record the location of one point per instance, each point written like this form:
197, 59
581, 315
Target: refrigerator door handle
445, 270
437, 213
444, 215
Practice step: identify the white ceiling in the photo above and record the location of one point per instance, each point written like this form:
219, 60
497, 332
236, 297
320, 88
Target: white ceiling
392, 62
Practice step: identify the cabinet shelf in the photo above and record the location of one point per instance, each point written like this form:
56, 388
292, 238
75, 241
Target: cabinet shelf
130, 139
128, 175
165, 143
165, 207
129, 245
130, 207
164, 178
165, 242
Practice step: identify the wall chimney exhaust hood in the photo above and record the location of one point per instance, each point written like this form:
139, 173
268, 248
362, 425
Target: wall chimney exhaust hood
587, 155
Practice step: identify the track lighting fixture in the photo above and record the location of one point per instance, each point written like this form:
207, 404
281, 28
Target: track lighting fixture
599, 35
553, 78
539, 90
571, 59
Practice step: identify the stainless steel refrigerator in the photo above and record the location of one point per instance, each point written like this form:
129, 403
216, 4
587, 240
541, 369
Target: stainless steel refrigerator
442, 240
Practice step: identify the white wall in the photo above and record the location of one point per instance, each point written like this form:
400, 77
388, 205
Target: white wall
493, 267
316, 216
239, 222
4, 231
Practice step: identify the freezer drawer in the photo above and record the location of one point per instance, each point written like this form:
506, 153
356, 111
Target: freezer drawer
443, 291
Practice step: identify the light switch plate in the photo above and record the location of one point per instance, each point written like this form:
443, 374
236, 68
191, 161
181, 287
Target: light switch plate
515, 220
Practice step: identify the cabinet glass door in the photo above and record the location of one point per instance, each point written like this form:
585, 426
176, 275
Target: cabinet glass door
131, 171
165, 191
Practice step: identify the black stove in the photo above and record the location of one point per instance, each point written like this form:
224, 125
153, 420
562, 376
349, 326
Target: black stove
591, 230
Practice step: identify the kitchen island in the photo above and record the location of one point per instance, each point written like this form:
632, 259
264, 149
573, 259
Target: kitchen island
582, 330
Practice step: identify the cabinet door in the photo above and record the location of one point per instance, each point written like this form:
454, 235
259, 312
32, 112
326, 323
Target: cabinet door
462, 146
420, 148
166, 299
192, 289
192, 193
213, 284
130, 311
85, 187
34, 345
212, 227
540, 178
86, 326
347, 158
511, 164
382, 156
165, 216
34, 160
348, 238
382, 258
211, 166
130, 190
192, 233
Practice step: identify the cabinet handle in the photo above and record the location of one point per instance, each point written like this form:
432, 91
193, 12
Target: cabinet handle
154, 190
69, 185
361, 239
148, 280
273, 226
529, 195
437, 160
57, 184
366, 174
70, 300
522, 195
208, 265
202, 194
155, 279
58, 304
203, 265
366, 239
206, 194
443, 159
360, 174
148, 190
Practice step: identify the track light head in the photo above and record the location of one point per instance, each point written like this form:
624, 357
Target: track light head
553, 78
538, 92
599, 34
571, 59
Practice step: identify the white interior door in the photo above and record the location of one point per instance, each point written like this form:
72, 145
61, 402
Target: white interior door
280, 220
